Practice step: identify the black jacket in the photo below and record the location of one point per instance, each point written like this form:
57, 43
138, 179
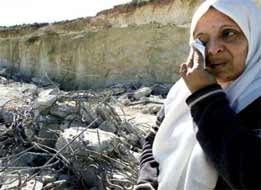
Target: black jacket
232, 141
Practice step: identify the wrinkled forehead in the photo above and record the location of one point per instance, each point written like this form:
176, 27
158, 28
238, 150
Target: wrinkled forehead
239, 17
214, 19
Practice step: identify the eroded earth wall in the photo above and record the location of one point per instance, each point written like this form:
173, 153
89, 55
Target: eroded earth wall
143, 42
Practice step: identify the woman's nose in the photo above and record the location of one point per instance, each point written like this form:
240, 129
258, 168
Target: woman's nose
214, 47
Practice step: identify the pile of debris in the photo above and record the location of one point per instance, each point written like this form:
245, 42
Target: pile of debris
53, 139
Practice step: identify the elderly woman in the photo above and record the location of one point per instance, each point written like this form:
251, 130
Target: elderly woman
210, 135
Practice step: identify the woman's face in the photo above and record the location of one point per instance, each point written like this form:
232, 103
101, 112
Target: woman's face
226, 45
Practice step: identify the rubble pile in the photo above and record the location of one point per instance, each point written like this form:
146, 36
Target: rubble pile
53, 139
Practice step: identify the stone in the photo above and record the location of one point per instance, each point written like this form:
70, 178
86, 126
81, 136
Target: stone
46, 99
132, 139
90, 175
3, 80
118, 91
13, 182
120, 180
161, 89
108, 113
94, 188
136, 155
48, 179
28, 89
3, 129
124, 100
145, 111
30, 133
8, 116
25, 160
114, 91
152, 99
48, 176
108, 126
48, 130
142, 92
44, 81
72, 120
67, 124
153, 109
63, 177
129, 128
48, 134
3, 71
61, 110
60, 184
48, 119
92, 139
88, 112
13, 95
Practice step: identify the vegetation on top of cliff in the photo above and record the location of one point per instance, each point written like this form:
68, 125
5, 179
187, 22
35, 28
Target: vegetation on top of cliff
142, 2
123, 8
21, 26
9, 31
132, 5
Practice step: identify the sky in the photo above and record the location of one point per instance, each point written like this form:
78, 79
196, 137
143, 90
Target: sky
13, 12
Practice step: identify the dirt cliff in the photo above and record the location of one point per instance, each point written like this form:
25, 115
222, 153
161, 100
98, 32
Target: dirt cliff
138, 42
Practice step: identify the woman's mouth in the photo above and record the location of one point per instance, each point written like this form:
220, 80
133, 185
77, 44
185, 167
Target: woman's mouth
216, 66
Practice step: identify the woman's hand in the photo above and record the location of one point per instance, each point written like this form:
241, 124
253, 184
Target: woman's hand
194, 74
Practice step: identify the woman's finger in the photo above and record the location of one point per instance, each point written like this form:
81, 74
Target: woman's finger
190, 58
183, 69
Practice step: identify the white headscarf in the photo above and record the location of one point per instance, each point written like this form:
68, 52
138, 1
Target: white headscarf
183, 164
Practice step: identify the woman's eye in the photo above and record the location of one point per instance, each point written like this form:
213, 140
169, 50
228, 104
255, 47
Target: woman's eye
204, 42
229, 33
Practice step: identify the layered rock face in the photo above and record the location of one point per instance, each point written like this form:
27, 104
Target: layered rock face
139, 43
95, 59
